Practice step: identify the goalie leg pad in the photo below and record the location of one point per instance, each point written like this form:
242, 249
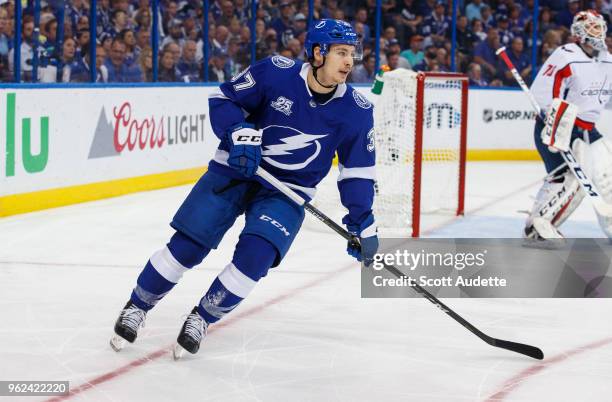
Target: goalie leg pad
558, 198
598, 164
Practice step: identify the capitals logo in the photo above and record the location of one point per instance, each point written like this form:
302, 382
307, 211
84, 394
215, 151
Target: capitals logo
294, 152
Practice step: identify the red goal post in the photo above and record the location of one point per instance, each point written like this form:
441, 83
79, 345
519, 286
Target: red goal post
420, 122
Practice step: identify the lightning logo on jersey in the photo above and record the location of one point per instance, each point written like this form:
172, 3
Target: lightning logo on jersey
301, 141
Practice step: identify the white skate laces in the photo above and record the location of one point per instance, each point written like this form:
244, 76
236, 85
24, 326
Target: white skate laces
133, 318
195, 327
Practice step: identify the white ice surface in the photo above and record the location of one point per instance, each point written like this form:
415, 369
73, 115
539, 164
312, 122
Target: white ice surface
304, 334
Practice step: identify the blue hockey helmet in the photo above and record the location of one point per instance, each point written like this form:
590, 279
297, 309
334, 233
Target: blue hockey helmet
327, 32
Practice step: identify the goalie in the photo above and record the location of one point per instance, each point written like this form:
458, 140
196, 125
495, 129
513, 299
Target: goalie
573, 85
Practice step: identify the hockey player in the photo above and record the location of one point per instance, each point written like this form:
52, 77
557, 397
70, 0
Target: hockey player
290, 118
581, 74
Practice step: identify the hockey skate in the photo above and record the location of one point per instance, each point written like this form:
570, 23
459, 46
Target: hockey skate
130, 320
191, 335
543, 234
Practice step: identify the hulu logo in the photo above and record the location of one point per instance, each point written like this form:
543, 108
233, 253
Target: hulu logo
31, 163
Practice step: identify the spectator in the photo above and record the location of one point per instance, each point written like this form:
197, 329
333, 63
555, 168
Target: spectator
241, 11
546, 21
67, 59
484, 54
472, 11
83, 40
393, 60
443, 60
283, 25
174, 50
437, 25
169, 14
221, 38
407, 20
517, 24
566, 16
103, 17
167, 67
27, 52
5, 36
119, 21
216, 70
299, 24
188, 67
82, 24
415, 54
364, 72
145, 61
503, 29
330, 7
361, 17
106, 40
389, 34
520, 60
233, 66
465, 37
79, 70
475, 76
75, 11
143, 39
50, 32
129, 39
175, 34
117, 70
227, 13
487, 18
478, 30
234, 28
295, 47
215, 10
394, 47
429, 62
143, 20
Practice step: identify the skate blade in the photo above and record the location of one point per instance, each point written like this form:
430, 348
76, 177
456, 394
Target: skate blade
177, 352
117, 343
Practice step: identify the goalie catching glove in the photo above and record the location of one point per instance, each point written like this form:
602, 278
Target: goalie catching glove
244, 148
558, 125
368, 239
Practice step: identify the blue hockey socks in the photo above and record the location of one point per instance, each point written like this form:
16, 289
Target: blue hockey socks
252, 259
165, 269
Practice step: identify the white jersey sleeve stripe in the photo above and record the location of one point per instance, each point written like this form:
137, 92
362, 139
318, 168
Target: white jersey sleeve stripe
368, 172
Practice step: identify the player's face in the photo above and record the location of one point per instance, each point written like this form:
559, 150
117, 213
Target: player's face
339, 63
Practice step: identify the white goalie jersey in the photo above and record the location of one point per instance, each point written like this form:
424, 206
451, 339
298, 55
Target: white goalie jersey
571, 74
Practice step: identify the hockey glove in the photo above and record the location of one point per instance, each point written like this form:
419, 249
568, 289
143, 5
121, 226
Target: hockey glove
368, 238
558, 125
244, 149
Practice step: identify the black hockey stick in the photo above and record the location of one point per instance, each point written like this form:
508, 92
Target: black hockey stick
528, 350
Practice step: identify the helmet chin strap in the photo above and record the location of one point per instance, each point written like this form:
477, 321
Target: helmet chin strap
314, 73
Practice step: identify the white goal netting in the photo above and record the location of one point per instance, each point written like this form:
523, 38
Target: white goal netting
419, 127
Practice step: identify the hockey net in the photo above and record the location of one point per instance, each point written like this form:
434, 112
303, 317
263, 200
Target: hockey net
420, 123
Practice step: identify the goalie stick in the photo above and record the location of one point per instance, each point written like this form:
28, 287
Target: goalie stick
602, 207
528, 350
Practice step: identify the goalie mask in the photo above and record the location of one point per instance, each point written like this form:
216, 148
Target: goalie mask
590, 28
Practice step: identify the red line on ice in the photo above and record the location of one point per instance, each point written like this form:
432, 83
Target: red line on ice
166, 350
511, 384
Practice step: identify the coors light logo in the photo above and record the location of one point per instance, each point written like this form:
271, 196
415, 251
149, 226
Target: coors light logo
127, 131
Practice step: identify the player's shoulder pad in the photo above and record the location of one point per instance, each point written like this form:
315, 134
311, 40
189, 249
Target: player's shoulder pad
358, 98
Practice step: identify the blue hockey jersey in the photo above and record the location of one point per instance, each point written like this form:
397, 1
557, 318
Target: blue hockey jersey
299, 136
